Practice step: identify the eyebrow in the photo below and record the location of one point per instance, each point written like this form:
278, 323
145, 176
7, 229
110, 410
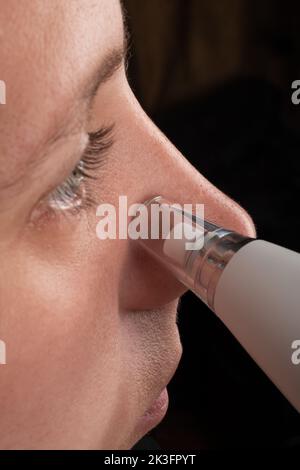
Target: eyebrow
111, 62
108, 66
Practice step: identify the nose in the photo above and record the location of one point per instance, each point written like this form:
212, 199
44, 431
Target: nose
160, 169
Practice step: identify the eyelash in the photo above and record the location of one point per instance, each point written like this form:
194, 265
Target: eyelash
71, 195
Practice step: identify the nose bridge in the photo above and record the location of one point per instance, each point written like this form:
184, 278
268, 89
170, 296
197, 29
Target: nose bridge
163, 170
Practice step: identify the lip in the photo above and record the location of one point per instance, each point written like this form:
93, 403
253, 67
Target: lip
155, 413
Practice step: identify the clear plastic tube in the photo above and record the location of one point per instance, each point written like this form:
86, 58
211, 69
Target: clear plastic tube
198, 269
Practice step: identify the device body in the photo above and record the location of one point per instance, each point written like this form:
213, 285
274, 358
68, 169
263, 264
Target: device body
252, 285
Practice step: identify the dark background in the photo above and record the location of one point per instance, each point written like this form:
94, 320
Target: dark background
216, 78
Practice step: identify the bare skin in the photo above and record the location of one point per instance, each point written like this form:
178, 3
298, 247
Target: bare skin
90, 325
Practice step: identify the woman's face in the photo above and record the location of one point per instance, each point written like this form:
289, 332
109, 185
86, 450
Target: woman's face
89, 325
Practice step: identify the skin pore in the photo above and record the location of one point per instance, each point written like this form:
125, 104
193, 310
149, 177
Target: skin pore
89, 325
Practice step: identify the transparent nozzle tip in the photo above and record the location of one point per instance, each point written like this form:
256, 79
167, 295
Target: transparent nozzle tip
193, 249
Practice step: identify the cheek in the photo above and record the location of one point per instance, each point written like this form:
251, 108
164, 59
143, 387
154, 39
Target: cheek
56, 300
62, 340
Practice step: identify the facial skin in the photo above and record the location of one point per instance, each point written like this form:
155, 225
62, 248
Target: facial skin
89, 325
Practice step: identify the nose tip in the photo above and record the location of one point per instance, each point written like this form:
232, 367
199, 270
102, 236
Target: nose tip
241, 221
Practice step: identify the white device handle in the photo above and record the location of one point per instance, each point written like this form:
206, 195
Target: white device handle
258, 298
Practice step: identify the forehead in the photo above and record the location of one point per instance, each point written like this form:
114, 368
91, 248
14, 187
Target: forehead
47, 50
